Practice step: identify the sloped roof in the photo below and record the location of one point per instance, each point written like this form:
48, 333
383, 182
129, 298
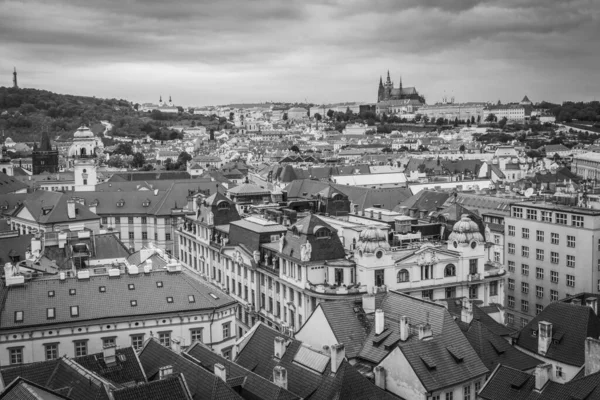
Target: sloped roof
173, 387
56, 204
127, 368
571, 324
22, 389
9, 184
428, 200
345, 324
248, 189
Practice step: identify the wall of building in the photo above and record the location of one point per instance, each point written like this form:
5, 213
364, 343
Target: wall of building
317, 331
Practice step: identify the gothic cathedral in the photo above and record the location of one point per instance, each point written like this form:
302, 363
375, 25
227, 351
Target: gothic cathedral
387, 91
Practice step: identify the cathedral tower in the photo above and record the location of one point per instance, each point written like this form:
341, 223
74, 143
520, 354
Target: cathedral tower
44, 158
380, 91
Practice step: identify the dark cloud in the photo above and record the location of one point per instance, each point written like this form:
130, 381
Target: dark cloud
325, 49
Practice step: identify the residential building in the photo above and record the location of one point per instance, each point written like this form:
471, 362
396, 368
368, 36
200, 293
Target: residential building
587, 165
551, 251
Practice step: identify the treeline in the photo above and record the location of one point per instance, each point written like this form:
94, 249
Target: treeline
570, 111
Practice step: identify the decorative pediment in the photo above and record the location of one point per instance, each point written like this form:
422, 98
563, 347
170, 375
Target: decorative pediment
239, 255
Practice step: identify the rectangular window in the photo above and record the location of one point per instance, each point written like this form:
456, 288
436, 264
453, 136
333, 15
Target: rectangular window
524, 306
510, 318
131, 236
80, 348
539, 292
524, 322
577, 220
51, 351
539, 273
525, 233
525, 269
539, 235
561, 219
554, 238
467, 392
137, 341
144, 235
16, 355
538, 308
554, 276
497, 256
196, 335
74, 311
167, 236
570, 241
546, 216
525, 251
511, 302
494, 288
104, 220
524, 287
449, 396
559, 372
511, 231
164, 338
130, 220
554, 295
539, 254
226, 330
473, 266
531, 214
517, 212
570, 261
144, 220
571, 280
511, 266
511, 284
496, 239
511, 248
554, 259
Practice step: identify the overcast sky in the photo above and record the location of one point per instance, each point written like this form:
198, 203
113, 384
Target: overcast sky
214, 52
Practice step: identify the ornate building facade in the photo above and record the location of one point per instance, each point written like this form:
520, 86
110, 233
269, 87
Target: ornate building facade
387, 91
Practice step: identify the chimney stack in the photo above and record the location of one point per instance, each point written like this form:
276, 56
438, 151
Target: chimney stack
466, 313
109, 353
164, 372
544, 337
176, 345
71, 209
591, 302
338, 353
404, 328
379, 372
379, 322
542, 375
280, 377
220, 372
368, 303
280, 347
592, 356
425, 332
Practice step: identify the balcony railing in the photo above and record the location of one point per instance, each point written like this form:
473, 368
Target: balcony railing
336, 290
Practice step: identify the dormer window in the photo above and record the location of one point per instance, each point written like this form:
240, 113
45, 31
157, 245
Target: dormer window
120, 203
18, 316
191, 298
95, 203
146, 203
323, 233
74, 311
295, 231
223, 205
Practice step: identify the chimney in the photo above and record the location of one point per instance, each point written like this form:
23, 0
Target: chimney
576, 301
379, 322
109, 353
592, 356
280, 376
591, 302
544, 337
466, 313
368, 303
542, 375
220, 372
379, 373
404, 328
176, 345
71, 209
425, 332
164, 372
279, 347
338, 353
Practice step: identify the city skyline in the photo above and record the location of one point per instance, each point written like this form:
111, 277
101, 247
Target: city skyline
319, 51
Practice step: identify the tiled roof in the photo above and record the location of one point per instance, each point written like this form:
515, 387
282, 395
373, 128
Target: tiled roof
9, 184
428, 200
170, 388
15, 246
51, 207
22, 389
149, 176
571, 324
345, 324
201, 383
108, 246
126, 370
253, 384
323, 248
347, 383
114, 302
36, 372
446, 336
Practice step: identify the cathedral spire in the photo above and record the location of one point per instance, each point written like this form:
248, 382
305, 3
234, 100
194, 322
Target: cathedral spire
380, 81
160, 100
388, 77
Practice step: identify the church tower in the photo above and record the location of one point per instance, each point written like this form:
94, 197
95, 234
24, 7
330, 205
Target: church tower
15, 85
380, 91
44, 158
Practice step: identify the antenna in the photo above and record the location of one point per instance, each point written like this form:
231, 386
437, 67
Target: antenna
529, 192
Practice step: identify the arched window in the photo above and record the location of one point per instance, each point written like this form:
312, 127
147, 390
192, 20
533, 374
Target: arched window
323, 233
402, 276
450, 270
223, 205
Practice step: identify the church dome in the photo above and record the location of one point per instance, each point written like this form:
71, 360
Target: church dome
465, 230
83, 132
372, 239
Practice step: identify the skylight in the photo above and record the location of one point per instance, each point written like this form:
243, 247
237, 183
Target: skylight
191, 298
50, 313
169, 299
159, 284
50, 293
18, 316
133, 303
102, 289
72, 292
131, 286
214, 296
74, 311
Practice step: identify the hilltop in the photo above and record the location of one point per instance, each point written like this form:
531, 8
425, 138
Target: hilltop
24, 113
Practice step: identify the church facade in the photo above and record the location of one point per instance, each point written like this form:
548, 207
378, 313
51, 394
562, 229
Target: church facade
387, 91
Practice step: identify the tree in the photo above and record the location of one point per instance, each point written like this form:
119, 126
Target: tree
439, 121
138, 160
124, 148
184, 158
231, 114
503, 122
462, 148
330, 113
318, 116
295, 149
472, 119
148, 167
284, 117
490, 118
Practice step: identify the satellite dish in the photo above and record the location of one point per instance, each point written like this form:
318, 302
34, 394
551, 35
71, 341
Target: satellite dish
529, 192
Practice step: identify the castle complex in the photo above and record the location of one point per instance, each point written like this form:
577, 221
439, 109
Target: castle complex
387, 91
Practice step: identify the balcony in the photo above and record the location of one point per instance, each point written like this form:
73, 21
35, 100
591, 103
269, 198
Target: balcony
474, 277
336, 290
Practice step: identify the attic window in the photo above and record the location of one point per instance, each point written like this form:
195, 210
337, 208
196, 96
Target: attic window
72, 292
223, 205
428, 361
214, 296
50, 313
191, 298
120, 203
95, 203
74, 311
323, 233
159, 284
102, 289
455, 353
51, 293
131, 286
146, 203
169, 299
133, 303
18, 316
